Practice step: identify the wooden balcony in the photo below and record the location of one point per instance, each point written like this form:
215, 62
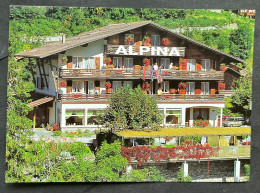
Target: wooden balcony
137, 74
161, 98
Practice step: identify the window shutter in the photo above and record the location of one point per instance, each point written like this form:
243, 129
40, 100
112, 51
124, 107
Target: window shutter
69, 62
97, 62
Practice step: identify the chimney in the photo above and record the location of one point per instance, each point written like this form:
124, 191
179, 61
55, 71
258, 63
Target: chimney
63, 38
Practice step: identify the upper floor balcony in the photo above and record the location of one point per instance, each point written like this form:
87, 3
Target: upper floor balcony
164, 98
137, 74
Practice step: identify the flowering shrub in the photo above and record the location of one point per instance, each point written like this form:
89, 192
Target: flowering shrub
182, 85
62, 83
201, 123
108, 60
165, 41
146, 153
56, 126
146, 62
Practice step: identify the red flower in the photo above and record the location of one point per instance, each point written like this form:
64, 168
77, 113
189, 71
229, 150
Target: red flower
165, 41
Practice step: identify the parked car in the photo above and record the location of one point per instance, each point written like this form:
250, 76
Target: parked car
234, 122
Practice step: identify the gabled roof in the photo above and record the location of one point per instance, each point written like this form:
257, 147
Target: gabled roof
104, 32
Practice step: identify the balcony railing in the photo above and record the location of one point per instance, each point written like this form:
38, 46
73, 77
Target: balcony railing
161, 98
233, 151
136, 74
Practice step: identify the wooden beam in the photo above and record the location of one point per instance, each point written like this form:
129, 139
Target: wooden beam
31, 69
39, 67
42, 63
53, 76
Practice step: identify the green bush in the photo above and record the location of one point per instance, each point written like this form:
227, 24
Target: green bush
181, 177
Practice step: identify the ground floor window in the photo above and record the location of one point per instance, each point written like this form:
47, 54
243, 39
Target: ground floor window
173, 116
74, 117
92, 117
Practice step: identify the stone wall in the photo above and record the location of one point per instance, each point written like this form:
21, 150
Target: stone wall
199, 170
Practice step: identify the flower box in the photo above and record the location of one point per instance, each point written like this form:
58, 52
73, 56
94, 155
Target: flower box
173, 91
69, 65
212, 91
77, 96
109, 90
198, 67
197, 91
182, 91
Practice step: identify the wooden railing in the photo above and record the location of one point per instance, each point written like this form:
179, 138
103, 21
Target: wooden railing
233, 151
136, 74
161, 98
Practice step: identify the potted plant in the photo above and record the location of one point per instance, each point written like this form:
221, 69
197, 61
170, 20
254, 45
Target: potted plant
223, 67
197, 91
129, 39
146, 63
182, 64
108, 86
212, 91
165, 41
147, 41
108, 60
221, 86
182, 88
173, 91
198, 67
64, 59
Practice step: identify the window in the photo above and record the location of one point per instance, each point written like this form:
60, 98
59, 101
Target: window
92, 117
155, 40
40, 84
117, 61
205, 88
205, 64
173, 116
77, 62
191, 63
190, 87
165, 63
165, 86
89, 63
128, 63
130, 38
74, 117
116, 85
130, 83
91, 87
76, 86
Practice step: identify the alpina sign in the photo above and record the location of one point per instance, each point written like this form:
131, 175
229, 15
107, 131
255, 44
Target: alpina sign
145, 50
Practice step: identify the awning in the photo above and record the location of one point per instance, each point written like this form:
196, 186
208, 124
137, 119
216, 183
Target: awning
40, 101
185, 132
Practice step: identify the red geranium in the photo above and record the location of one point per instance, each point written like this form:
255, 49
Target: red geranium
182, 85
146, 61
108, 60
165, 41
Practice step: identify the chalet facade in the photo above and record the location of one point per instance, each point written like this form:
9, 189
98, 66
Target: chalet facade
189, 79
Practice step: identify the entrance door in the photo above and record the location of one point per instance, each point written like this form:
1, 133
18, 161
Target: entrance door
201, 113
